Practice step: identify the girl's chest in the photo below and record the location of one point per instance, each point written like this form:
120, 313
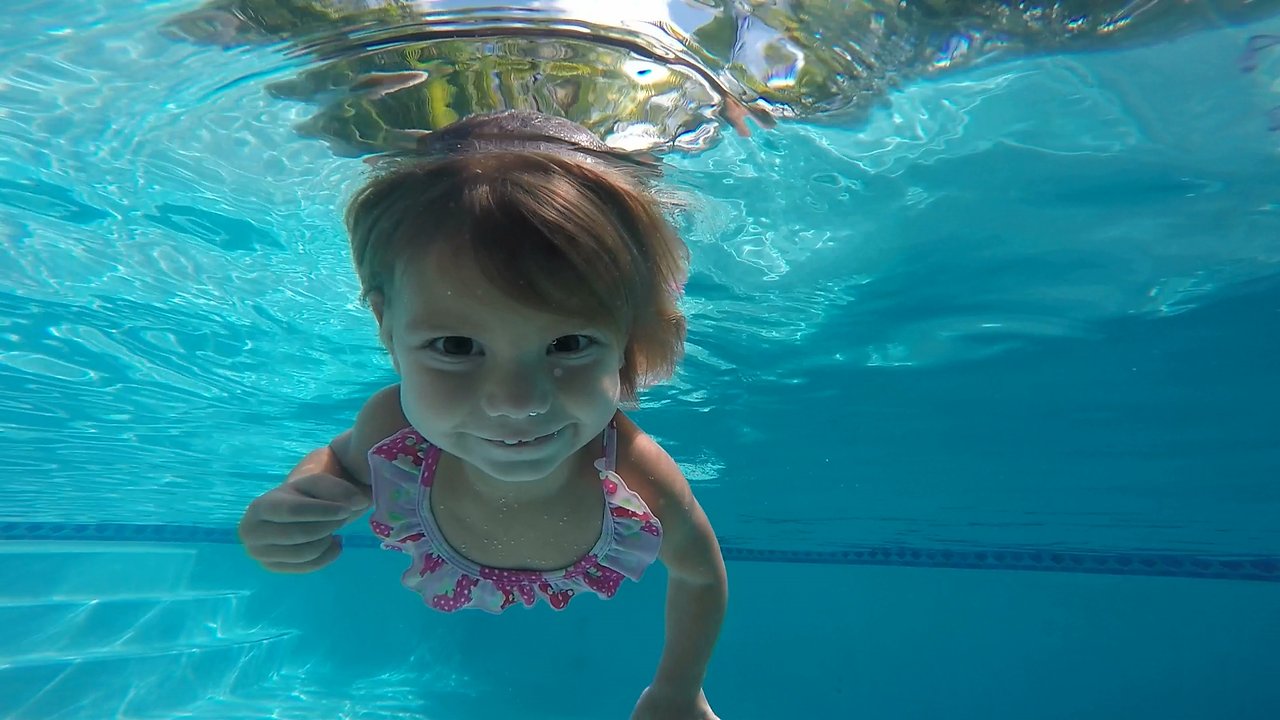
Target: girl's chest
539, 536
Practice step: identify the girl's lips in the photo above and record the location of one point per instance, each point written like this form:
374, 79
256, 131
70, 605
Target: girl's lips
522, 442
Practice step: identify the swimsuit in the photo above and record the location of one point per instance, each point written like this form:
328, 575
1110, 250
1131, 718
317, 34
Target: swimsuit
402, 471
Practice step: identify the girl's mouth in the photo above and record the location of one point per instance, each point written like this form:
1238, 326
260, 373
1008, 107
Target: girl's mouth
523, 442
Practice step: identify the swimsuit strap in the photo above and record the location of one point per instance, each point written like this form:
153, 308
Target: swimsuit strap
611, 446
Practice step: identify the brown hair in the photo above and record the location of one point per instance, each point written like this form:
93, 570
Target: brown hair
564, 233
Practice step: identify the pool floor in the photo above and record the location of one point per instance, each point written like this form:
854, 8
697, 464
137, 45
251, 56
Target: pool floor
155, 630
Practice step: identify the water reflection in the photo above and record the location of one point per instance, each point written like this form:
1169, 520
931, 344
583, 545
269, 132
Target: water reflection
652, 74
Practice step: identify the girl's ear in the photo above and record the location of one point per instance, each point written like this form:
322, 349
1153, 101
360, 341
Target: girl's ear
378, 304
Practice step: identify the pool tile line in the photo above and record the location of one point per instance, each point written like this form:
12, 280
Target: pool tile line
1259, 568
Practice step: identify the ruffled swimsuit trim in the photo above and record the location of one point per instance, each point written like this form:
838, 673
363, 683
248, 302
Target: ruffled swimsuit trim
402, 470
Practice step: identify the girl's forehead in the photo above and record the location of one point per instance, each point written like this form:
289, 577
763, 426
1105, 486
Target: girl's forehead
441, 288
438, 271
440, 280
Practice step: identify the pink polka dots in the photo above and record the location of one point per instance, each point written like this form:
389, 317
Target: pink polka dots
430, 564
605, 581
622, 513
459, 598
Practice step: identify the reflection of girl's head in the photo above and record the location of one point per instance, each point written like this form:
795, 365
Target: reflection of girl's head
562, 233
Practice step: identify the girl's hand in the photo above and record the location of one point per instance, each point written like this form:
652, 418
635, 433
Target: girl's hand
291, 528
659, 704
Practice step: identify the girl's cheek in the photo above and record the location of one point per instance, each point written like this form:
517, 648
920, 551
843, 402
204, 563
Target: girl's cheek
593, 378
436, 385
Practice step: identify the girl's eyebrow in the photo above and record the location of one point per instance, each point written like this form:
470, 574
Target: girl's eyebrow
442, 323
419, 324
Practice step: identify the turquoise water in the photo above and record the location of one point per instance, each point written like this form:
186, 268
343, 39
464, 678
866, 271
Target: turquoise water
988, 373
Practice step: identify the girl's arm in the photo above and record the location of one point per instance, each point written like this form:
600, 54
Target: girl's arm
290, 528
697, 593
380, 418
697, 586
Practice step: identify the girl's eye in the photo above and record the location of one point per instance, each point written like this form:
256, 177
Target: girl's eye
453, 345
571, 343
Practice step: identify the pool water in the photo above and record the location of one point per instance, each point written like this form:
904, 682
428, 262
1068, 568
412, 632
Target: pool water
981, 394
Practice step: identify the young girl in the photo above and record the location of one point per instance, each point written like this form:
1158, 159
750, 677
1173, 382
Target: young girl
524, 284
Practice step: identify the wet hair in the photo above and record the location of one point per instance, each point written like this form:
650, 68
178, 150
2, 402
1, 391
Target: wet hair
553, 222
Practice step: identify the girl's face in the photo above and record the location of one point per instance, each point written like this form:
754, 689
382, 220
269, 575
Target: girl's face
512, 392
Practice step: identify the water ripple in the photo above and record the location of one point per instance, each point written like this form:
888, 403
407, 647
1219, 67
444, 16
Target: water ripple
178, 317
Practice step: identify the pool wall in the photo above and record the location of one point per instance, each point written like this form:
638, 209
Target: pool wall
152, 621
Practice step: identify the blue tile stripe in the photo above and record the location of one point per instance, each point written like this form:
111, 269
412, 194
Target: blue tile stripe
1259, 568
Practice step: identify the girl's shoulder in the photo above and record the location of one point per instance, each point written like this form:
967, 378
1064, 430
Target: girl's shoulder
648, 469
379, 418
689, 545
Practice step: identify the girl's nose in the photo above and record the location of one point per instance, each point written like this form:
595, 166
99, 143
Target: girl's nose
519, 392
